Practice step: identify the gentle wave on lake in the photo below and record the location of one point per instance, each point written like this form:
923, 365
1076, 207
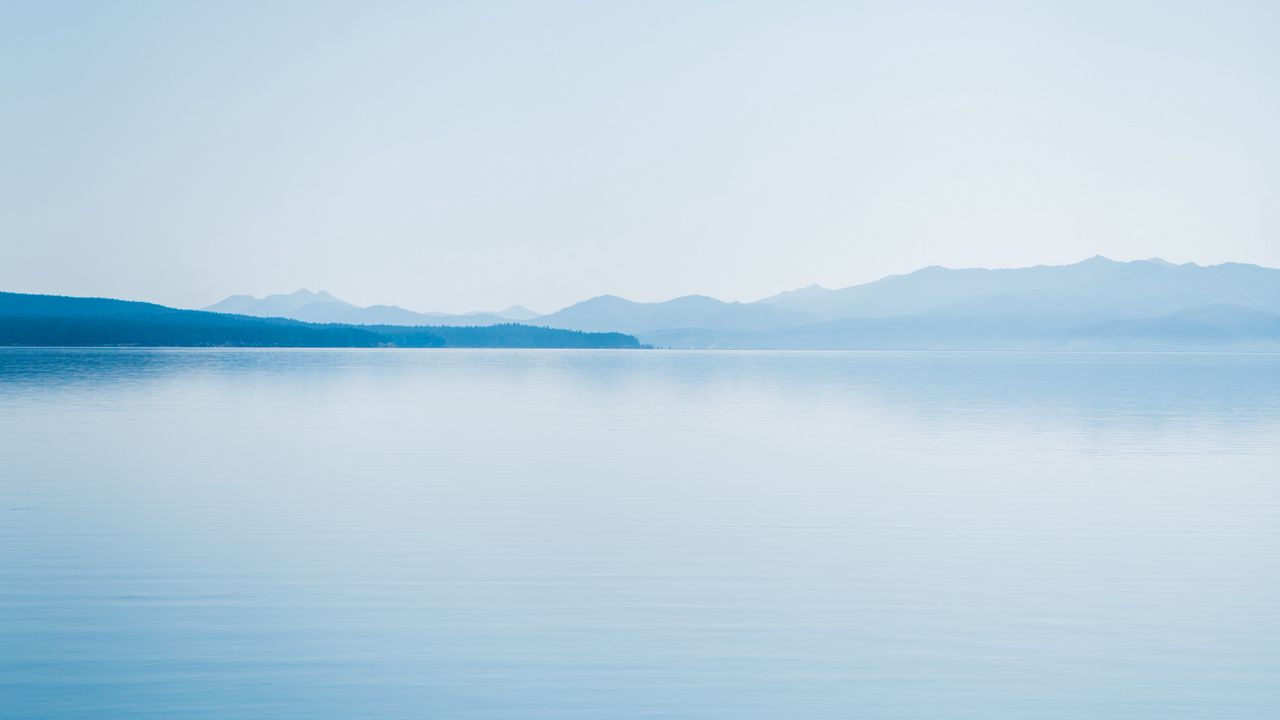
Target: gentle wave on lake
626, 534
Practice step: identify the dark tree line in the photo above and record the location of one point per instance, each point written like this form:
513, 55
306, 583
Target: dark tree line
45, 320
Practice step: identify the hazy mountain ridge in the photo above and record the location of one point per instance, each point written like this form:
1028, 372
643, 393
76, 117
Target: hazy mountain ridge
1095, 303
322, 307
58, 321
1089, 304
690, 311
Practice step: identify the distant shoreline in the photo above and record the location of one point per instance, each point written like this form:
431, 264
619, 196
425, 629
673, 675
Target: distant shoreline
690, 351
56, 321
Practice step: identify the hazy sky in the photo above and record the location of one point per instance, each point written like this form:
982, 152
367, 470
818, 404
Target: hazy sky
464, 155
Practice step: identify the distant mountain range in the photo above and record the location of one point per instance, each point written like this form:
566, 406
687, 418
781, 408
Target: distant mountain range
321, 307
49, 320
1094, 304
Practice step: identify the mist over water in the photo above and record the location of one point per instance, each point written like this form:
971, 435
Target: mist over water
601, 534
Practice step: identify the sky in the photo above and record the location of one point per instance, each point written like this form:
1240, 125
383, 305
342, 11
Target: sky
457, 156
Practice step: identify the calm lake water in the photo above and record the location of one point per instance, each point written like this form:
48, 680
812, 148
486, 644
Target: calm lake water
597, 534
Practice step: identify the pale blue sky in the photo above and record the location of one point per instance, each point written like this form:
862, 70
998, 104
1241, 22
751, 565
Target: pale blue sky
452, 156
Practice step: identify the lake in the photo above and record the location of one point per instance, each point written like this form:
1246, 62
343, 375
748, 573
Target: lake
638, 534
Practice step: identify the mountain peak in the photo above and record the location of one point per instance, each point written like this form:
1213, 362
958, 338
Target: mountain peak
283, 305
304, 294
797, 295
517, 312
1097, 260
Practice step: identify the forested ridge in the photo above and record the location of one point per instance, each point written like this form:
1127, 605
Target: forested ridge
50, 320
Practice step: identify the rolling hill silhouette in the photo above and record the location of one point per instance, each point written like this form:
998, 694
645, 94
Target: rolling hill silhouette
49, 320
321, 307
1096, 303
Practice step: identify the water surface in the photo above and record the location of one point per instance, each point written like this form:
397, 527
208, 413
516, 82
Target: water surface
599, 534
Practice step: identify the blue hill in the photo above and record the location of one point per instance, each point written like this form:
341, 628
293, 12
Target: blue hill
49, 320
1094, 304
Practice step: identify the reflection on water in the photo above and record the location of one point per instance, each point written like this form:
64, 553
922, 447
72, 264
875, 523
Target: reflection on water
540, 534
